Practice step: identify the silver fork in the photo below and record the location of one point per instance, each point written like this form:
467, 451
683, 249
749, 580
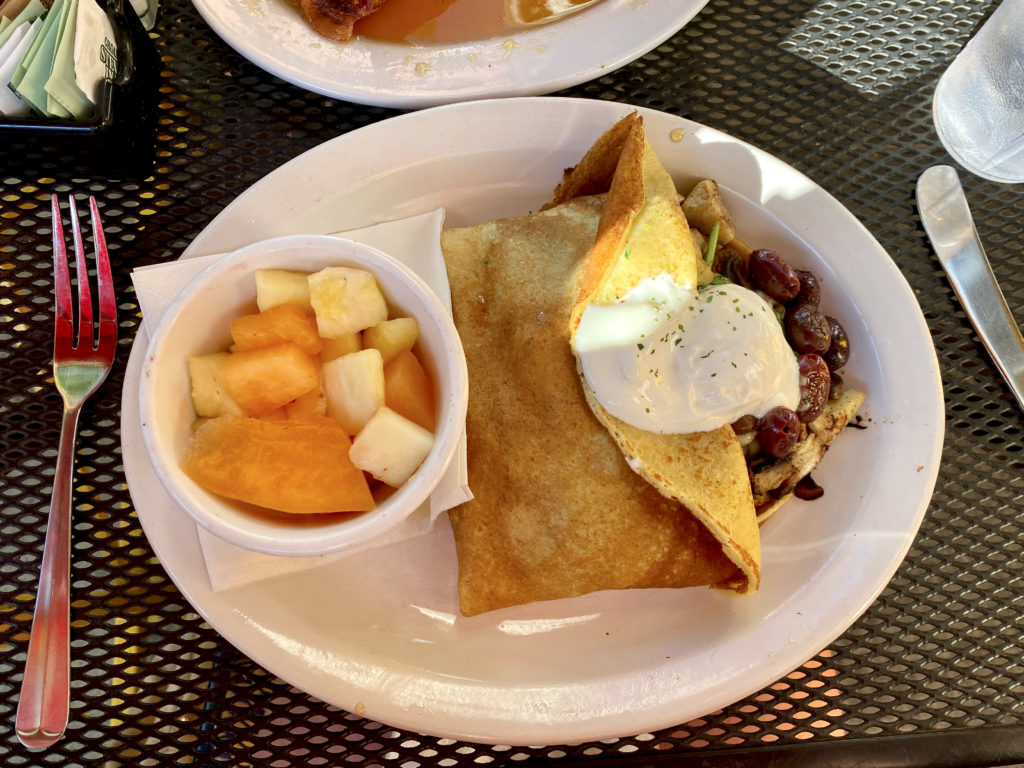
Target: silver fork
79, 367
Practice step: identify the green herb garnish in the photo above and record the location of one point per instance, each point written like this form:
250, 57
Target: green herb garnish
709, 254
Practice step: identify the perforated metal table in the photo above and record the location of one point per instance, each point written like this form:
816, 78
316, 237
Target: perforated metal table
841, 91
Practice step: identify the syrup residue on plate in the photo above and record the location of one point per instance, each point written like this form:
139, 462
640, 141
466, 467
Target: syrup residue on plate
458, 21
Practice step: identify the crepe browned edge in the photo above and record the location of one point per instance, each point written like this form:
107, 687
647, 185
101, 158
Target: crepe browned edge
642, 233
557, 512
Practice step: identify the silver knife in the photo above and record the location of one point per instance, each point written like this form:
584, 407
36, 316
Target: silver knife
947, 220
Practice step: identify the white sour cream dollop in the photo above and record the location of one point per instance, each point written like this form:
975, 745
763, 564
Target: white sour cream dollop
669, 359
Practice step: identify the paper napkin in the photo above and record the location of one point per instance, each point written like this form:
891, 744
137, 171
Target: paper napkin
11, 52
415, 241
59, 73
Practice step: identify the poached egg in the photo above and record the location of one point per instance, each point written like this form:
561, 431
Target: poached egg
670, 359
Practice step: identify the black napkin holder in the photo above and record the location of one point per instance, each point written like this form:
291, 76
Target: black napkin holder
119, 142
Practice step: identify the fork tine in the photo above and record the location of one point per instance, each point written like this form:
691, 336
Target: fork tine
63, 326
82, 274
105, 280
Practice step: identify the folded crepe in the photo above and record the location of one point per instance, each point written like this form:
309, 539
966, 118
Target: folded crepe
643, 233
569, 500
557, 511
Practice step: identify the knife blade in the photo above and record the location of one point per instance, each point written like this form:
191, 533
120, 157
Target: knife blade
950, 227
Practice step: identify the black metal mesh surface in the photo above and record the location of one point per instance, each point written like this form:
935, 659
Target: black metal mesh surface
840, 90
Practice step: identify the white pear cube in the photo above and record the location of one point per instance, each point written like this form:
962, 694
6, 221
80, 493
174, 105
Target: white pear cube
392, 336
354, 385
339, 346
281, 286
390, 447
345, 300
209, 398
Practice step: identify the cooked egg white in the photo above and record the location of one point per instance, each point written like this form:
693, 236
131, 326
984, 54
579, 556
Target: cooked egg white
669, 359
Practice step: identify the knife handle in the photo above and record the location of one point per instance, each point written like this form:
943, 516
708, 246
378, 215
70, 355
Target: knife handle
975, 285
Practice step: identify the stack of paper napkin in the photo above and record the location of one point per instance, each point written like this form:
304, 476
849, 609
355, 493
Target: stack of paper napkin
415, 241
53, 60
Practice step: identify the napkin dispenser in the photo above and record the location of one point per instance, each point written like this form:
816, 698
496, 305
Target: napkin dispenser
119, 141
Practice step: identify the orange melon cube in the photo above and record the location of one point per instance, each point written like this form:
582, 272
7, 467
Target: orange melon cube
262, 380
299, 466
313, 403
276, 325
408, 390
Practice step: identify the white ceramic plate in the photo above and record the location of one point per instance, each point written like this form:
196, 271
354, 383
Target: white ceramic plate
380, 633
571, 50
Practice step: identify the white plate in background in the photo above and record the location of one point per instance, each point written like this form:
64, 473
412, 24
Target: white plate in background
531, 62
380, 634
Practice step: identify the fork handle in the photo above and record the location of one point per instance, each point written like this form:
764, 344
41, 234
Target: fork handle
45, 688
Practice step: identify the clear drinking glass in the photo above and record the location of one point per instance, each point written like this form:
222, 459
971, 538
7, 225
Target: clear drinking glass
979, 102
